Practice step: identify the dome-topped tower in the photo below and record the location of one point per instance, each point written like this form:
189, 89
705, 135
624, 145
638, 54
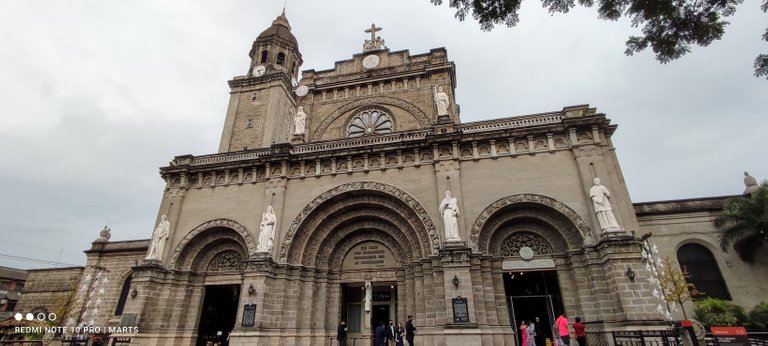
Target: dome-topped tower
262, 104
276, 49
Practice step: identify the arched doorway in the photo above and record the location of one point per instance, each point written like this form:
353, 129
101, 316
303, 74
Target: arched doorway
210, 260
363, 239
532, 237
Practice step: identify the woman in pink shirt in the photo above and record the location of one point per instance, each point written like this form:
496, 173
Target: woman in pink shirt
562, 329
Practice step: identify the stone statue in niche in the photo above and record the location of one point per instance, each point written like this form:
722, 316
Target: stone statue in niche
300, 122
267, 230
441, 100
159, 236
600, 197
449, 209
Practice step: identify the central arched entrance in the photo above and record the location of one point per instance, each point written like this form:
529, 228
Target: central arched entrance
534, 238
365, 239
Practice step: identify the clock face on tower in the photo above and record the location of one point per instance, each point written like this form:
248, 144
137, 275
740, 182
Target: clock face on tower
259, 70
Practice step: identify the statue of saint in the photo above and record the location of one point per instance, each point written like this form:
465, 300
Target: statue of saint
159, 236
368, 296
449, 209
267, 230
601, 202
441, 100
300, 122
751, 184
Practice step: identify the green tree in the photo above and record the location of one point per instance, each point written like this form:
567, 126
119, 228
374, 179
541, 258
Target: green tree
670, 27
675, 284
744, 223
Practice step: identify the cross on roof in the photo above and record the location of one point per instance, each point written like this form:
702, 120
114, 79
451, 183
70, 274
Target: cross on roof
373, 31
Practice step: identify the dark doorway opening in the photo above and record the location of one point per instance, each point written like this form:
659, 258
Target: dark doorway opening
531, 295
218, 316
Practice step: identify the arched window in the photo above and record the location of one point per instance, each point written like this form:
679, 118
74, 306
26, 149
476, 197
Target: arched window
263, 56
281, 58
703, 270
123, 296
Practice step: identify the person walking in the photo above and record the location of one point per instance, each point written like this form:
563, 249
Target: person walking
579, 330
380, 335
524, 333
410, 330
400, 330
391, 333
562, 329
341, 333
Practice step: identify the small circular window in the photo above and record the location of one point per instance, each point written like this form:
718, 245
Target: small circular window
369, 122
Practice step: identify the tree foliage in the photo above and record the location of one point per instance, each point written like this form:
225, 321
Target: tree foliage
758, 318
675, 284
669, 27
720, 313
744, 223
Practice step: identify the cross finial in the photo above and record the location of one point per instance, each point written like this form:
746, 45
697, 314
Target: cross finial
373, 31
284, 4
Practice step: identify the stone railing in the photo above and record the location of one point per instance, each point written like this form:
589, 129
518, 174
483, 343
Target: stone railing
229, 157
511, 123
362, 141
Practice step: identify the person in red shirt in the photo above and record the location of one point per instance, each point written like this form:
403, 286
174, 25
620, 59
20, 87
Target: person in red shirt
581, 335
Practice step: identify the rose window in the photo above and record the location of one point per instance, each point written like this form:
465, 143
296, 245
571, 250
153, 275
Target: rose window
369, 122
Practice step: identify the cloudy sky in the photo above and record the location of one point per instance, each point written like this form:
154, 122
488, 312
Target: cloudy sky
96, 95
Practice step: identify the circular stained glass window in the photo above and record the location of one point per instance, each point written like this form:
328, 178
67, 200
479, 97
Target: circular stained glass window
369, 122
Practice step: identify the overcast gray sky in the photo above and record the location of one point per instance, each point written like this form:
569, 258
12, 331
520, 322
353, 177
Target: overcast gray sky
96, 95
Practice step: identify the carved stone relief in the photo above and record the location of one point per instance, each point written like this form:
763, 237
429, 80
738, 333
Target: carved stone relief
406, 205
370, 101
226, 261
246, 236
480, 234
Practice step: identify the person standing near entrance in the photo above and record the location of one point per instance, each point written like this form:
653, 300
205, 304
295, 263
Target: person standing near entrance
391, 333
524, 333
410, 330
400, 330
579, 330
531, 331
562, 329
380, 335
341, 334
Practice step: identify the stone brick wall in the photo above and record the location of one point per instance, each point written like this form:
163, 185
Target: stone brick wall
50, 289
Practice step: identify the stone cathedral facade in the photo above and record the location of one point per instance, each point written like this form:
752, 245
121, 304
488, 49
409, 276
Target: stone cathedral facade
327, 202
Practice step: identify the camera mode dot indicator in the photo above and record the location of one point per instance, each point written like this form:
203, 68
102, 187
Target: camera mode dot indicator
18, 316
30, 316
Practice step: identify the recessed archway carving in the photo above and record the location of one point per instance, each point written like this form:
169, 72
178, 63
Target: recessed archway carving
541, 208
241, 235
360, 205
417, 113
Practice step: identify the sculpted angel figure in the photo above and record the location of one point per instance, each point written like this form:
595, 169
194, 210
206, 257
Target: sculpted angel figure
267, 230
449, 209
159, 236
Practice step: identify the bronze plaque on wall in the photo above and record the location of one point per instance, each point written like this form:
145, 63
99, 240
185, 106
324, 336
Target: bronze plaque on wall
249, 315
460, 310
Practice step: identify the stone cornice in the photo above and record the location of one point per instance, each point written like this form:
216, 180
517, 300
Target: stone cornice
489, 139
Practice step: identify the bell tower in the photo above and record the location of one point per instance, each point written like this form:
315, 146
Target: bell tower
262, 104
